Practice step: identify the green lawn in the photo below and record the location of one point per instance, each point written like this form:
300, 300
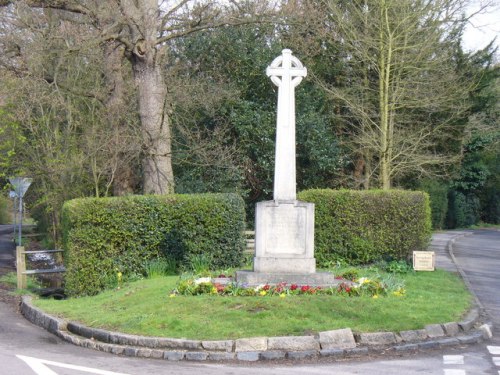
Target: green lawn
144, 307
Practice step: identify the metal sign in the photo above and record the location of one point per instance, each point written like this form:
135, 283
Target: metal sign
20, 185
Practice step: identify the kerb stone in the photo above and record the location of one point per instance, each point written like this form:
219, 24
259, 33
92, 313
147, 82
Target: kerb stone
337, 339
434, 330
414, 335
255, 344
247, 356
272, 355
377, 338
451, 328
221, 356
173, 356
169, 343
293, 343
196, 356
225, 345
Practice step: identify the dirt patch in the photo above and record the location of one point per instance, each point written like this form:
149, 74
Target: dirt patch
7, 296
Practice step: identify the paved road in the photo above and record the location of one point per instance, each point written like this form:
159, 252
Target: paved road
42, 353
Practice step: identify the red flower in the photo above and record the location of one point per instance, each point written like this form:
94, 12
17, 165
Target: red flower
305, 288
219, 287
293, 287
266, 287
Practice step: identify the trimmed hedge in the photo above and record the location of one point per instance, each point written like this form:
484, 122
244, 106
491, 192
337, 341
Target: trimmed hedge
360, 227
104, 236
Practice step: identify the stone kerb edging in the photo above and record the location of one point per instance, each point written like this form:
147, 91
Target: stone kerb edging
335, 343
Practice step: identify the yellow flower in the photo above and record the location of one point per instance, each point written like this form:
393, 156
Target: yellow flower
119, 275
375, 296
400, 292
214, 290
171, 295
282, 295
262, 292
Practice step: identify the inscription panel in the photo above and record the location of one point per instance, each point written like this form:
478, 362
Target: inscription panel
285, 230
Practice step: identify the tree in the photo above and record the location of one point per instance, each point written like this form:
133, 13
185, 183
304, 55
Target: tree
398, 91
143, 32
52, 86
223, 71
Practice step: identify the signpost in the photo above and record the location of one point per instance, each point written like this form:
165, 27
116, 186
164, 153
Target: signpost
20, 185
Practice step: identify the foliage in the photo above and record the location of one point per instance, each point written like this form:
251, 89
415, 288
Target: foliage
365, 226
398, 266
199, 263
390, 72
103, 236
4, 214
438, 196
463, 210
224, 87
161, 267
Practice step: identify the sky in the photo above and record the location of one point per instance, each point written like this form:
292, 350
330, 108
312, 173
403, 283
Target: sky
483, 27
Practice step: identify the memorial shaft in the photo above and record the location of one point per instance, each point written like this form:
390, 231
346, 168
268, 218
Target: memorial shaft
286, 72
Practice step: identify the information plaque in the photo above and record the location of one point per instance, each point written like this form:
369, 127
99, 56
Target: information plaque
424, 260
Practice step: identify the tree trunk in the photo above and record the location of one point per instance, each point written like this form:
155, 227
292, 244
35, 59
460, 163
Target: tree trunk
384, 89
123, 175
158, 177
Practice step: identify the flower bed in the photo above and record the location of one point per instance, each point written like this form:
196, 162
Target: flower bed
222, 286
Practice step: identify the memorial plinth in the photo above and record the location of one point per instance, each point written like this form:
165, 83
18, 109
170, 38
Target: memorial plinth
284, 227
284, 237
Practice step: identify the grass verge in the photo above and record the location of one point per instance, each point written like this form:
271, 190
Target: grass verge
144, 308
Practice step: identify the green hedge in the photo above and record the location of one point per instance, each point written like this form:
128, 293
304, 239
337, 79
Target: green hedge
438, 195
360, 227
104, 236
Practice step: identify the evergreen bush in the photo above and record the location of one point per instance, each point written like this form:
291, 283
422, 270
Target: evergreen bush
104, 236
438, 195
463, 211
4, 214
360, 227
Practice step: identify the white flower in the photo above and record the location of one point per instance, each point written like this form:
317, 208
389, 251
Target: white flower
202, 280
259, 287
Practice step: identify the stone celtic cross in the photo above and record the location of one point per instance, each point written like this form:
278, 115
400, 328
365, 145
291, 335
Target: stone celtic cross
286, 72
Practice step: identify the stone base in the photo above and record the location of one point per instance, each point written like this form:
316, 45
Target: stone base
251, 278
284, 265
284, 237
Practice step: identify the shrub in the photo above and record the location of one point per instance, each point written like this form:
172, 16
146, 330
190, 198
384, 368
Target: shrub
438, 195
463, 210
4, 214
103, 236
365, 226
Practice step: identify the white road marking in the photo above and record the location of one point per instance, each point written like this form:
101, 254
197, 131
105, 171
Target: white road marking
453, 359
40, 368
454, 372
494, 350
496, 361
